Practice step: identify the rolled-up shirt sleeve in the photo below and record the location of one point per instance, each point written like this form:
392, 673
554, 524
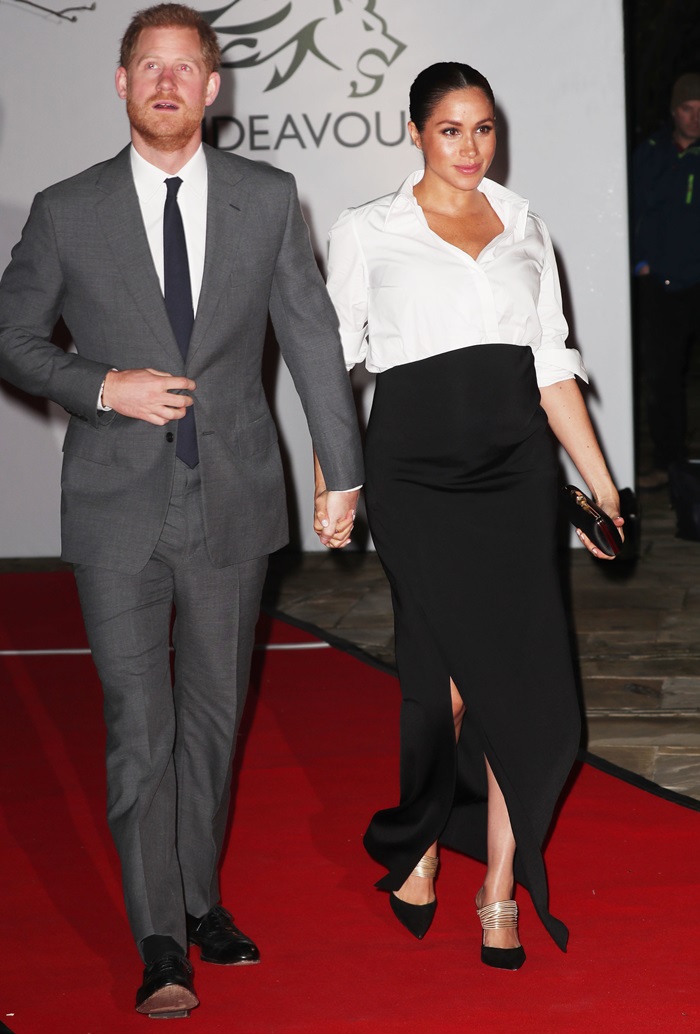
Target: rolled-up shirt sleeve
347, 286
553, 360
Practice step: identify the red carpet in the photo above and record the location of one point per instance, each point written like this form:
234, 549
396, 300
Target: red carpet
319, 756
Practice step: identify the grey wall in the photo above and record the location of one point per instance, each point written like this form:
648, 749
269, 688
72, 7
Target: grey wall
556, 69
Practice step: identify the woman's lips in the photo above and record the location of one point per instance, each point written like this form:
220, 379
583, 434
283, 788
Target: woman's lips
468, 169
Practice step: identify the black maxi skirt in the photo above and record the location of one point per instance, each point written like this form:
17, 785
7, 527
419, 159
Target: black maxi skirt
462, 496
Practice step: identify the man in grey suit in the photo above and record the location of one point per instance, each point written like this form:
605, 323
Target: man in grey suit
164, 263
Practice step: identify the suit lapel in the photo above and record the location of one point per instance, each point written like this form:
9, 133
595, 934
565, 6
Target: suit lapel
225, 196
120, 218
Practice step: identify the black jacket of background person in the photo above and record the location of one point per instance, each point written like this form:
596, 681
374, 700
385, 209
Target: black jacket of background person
666, 210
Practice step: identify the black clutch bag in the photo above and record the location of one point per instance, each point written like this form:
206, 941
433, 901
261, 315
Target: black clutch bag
593, 522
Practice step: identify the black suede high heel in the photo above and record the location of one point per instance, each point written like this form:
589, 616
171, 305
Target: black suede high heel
500, 915
417, 918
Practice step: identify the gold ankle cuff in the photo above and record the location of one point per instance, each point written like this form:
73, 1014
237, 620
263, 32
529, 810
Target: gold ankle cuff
500, 915
427, 867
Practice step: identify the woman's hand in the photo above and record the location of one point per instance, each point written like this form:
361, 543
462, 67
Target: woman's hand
334, 517
608, 501
334, 512
568, 418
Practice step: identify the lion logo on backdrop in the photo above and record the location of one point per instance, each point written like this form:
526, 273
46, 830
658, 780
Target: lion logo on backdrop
347, 35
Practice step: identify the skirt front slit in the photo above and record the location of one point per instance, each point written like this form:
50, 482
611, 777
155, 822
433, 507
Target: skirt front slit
461, 496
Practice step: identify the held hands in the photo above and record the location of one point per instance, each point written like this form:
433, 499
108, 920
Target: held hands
147, 395
334, 517
610, 502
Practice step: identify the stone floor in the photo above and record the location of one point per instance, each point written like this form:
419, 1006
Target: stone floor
635, 632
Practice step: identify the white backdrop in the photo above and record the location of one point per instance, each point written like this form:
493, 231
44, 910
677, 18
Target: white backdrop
325, 96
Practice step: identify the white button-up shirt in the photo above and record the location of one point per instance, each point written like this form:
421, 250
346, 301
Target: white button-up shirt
192, 202
402, 293
149, 182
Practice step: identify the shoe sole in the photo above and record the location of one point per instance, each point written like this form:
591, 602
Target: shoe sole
217, 962
508, 960
171, 1002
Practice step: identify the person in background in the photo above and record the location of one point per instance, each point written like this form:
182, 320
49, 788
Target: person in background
666, 256
448, 290
164, 263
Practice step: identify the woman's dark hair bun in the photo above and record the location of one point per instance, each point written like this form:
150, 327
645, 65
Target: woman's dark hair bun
431, 85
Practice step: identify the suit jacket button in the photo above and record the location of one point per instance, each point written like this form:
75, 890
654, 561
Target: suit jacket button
170, 437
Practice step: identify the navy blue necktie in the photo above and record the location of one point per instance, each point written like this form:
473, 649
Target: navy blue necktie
178, 303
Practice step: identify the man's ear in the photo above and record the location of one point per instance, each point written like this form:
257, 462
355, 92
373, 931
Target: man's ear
213, 86
120, 82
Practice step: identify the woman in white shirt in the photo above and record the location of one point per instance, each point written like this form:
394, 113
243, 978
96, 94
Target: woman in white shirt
448, 290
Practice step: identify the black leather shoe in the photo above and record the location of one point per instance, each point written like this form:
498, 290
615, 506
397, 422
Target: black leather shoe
416, 918
500, 915
219, 940
167, 991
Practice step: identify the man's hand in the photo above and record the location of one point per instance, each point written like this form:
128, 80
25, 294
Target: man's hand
147, 395
334, 517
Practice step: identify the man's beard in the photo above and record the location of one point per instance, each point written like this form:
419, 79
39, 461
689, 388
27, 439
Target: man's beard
165, 131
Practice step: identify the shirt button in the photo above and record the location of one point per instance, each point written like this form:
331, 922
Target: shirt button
170, 437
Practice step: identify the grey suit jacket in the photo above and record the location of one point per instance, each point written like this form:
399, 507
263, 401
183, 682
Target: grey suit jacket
84, 255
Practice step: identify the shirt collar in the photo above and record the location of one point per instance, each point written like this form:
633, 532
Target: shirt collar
404, 196
148, 179
511, 209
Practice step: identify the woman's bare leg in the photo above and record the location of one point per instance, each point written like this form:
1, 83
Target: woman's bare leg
458, 709
498, 883
417, 890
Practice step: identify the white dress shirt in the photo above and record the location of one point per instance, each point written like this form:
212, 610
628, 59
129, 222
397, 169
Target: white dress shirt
192, 202
402, 293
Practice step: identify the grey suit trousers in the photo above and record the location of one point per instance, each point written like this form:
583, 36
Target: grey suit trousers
170, 743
